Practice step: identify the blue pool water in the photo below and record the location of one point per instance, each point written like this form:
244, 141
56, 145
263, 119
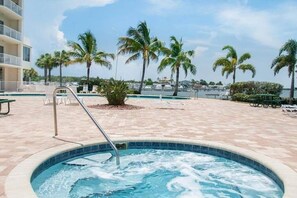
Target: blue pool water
154, 173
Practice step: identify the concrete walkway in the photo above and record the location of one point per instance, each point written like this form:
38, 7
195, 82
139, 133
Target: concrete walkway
29, 129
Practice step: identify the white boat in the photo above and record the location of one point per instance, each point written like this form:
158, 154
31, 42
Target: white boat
148, 87
167, 87
163, 87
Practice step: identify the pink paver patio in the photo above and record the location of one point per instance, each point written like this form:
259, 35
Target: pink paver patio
29, 128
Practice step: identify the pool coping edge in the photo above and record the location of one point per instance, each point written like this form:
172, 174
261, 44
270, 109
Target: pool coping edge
20, 177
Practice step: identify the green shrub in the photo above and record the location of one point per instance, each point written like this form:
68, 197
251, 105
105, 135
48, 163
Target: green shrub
287, 101
132, 91
79, 88
252, 87
240, 97
114, 91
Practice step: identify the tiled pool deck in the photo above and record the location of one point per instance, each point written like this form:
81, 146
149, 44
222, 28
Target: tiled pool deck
29, 128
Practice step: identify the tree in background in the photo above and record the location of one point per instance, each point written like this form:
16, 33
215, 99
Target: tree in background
231, 63
51, 65
149, 82
46, 62
176, 58
139, 43
87, 52
30, 74
62, 58
287, 58
203, 82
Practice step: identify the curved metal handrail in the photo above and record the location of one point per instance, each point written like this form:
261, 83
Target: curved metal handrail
89, 114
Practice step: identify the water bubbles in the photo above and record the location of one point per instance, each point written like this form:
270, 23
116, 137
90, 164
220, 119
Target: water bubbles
155, 173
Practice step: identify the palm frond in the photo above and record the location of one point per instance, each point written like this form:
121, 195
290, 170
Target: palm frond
231, 52
133, 58
244, 57
283, 61
189, 66
248, 67
227, 70
290, 47
165, 62
89, 43
221, 62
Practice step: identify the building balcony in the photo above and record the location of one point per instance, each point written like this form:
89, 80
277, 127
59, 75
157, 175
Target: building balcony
12, 6
7, 31
7, 59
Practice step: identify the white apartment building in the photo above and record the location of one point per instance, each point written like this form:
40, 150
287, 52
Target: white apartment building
15, 55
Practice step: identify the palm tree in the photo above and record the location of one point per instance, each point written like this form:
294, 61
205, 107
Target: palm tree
139, 43
51, 65
30, 74
176, 57
46, 62
230, 63
61, 58
287, 58
88, 52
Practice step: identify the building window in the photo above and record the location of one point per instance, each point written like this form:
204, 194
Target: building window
26, 54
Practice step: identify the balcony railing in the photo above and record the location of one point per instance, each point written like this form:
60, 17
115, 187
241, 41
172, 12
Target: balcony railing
10, 59
12, 6
4, 30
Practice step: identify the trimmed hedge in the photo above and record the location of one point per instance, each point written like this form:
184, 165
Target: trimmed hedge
241, 97
289, 101
242, 91
253, 87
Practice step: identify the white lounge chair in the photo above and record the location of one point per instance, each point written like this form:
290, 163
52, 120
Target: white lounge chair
289, 109
70, 98
225, 95
94, 89
48, 94
85, 89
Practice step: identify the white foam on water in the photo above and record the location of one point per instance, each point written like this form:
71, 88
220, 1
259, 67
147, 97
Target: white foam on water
192, 172
187, 186
98, 172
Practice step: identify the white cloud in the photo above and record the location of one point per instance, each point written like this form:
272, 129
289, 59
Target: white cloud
200, 50
162, 6
244, 21
265, 27
45, 21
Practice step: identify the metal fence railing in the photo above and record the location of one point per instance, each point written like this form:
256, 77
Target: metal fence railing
10, 59
26, 86
12, 6
10, 32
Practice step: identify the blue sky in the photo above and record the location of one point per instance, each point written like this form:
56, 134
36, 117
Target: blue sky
258, 27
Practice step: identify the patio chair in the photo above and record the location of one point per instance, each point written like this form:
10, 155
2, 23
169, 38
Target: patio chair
225, 95
5, 101
94, 89
85, 89
70, 99
289, 109
48, 94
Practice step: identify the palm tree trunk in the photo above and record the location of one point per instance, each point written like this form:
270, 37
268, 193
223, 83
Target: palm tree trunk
142, 77
45, 75
88, 72
61, 75
49, 75
292, 86
234, 75
176, 83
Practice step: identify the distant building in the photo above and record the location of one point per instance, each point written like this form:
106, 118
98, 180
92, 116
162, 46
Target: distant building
15, 55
